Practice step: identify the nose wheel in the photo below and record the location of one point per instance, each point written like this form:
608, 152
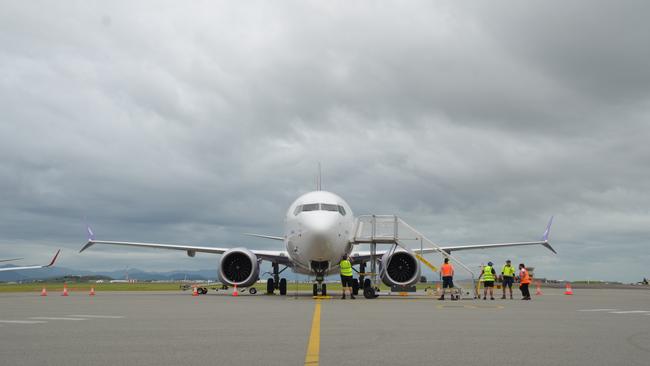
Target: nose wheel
319, 288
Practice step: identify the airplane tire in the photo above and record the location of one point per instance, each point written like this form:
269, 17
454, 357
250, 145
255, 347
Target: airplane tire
315, 289
323, 290
366, 283
355, 286
252, 290
369, 292
283, 286
269, 286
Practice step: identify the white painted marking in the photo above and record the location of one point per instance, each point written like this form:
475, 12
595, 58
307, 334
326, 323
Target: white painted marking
630, 312
22, 321
597, 309
54, 318
100, 316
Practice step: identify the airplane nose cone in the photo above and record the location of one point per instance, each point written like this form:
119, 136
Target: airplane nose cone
321, 232
320, 224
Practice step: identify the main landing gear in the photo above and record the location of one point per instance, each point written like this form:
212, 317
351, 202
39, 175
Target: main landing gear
355, 287
276, 282
369, 292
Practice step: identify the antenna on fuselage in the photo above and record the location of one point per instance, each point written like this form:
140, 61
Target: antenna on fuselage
318, 178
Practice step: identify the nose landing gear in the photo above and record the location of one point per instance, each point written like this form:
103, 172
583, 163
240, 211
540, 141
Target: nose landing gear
319, 287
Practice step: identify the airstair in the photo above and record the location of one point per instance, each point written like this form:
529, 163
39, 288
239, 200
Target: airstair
391, 232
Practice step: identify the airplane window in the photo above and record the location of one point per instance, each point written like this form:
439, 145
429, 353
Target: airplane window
341, 210
297, 210
328, 207
310, 207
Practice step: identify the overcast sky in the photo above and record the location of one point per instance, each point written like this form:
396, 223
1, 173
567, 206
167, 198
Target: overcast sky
195, 122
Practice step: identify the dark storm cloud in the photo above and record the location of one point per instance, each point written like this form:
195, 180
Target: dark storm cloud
195, 123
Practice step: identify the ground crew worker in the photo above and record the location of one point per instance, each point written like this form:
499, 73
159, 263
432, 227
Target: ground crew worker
447, 274
489, 275
346, 276
524, 279
508, 275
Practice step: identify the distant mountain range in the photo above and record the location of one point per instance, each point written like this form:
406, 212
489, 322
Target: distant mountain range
133, 273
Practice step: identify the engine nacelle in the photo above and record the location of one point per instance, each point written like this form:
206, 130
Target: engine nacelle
239, 266
400, 268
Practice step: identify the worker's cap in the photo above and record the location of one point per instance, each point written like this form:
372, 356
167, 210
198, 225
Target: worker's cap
489, 263
508, 261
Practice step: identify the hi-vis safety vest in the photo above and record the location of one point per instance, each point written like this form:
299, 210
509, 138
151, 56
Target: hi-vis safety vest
525, 278
346, 268
508, 271
487, 274
446, 270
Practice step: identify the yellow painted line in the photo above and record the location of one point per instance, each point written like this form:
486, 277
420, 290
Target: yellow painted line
313, 348
426, 262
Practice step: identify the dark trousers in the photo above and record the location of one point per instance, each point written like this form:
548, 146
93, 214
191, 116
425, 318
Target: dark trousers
524, 290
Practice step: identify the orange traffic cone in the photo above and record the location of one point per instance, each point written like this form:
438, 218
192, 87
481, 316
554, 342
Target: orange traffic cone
43, 292
234, 291
92, 291
569, 290
65, 290
195, 291
539, 288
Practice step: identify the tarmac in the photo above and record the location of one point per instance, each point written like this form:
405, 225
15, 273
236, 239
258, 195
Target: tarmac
592, 327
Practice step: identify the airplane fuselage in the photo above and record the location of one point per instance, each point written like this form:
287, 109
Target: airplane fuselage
318, 229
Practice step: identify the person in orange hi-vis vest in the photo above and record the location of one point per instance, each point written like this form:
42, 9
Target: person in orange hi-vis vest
447, 274
524, 279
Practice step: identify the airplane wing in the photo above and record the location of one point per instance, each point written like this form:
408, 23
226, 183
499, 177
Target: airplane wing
32, 267
10, 260
365, 255
279, 256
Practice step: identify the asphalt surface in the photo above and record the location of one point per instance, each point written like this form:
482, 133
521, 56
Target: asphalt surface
592, 327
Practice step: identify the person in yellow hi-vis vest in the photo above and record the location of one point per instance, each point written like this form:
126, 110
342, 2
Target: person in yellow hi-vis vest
489, 275
508, 275
346, 276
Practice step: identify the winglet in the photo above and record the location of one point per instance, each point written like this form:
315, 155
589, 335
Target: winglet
54, 259
547, 232
91, 238
91, 234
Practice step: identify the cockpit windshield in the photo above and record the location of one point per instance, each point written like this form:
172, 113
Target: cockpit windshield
329, 207
319, 207
310, 207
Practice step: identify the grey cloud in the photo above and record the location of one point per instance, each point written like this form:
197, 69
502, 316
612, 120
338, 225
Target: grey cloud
195, 123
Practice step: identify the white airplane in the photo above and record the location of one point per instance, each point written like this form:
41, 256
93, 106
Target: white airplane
319, 230
28, 267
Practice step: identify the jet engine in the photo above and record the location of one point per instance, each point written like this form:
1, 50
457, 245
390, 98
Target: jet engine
399, 268
239, 266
